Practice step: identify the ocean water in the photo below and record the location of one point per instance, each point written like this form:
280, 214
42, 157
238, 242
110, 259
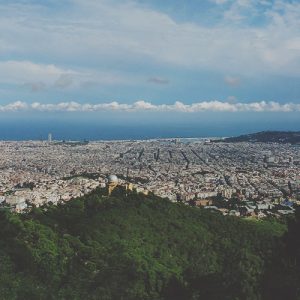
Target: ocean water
119, 127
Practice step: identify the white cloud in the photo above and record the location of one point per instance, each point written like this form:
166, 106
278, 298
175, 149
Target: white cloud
102, 31
15, 106
20, 72
142, 105
38, 77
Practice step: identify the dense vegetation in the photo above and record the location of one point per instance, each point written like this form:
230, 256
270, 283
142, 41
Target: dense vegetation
292, 137
138, 247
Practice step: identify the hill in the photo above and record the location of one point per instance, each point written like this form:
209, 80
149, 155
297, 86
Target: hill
142, 247
292, 137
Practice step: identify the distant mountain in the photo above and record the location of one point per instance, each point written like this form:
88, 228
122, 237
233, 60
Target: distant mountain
284, 137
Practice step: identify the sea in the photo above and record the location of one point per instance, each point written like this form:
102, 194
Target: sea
79, 128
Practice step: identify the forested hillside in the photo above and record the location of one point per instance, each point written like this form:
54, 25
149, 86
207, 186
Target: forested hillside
144, 247
284, 137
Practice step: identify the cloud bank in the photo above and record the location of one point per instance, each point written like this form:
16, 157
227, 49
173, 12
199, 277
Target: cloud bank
102, 31
89, 48
139, 106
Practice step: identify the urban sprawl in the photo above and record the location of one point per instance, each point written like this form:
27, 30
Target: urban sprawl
241, 179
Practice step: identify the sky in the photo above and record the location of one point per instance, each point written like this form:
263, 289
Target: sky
164, 58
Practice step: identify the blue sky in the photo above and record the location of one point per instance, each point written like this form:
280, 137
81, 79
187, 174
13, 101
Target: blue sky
157, 56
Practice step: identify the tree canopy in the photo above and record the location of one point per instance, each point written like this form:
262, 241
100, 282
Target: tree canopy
132, 246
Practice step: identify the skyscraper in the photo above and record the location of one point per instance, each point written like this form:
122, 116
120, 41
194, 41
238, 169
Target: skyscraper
49, 137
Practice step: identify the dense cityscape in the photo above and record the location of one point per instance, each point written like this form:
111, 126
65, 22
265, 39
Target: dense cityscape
241, 179
150, 150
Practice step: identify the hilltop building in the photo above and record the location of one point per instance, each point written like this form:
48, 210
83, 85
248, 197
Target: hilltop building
112, 183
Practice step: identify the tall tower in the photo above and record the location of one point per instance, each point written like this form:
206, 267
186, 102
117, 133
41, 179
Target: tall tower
49, 137
129, 185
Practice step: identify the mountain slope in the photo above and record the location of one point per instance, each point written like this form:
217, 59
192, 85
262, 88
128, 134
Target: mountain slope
268, 137
133, 247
